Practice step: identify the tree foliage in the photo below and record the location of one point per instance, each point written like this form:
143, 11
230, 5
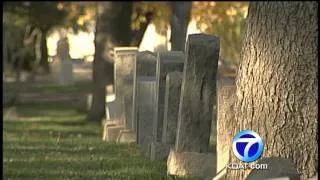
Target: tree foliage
223, 19
160, 12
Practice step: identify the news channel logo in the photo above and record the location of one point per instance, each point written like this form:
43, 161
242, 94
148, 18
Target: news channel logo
247, 146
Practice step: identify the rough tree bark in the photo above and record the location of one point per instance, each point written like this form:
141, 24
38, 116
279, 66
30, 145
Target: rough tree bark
112, 29
181, 12
277, 83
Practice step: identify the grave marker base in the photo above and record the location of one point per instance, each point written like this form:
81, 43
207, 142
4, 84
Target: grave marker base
191, 164
111, 130
159, 151
126, 136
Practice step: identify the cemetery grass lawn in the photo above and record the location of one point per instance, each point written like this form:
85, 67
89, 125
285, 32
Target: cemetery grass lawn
51, 88
51, 140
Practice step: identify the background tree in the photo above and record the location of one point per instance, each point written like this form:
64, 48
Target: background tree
180, 18
225, 20
41, 18
41, 15
277, 82
159, 11
118, 24
113, 28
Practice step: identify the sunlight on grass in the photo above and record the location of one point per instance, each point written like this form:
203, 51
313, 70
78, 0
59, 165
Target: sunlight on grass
53, 141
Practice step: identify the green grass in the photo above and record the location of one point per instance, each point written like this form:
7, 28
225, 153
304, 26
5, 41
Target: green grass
51, 88
52, 141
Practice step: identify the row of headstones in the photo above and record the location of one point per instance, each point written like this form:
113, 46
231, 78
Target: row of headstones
164, 102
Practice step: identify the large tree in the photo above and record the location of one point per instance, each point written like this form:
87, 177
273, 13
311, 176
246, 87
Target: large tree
277, 82
180, 17
113, 28
39, 17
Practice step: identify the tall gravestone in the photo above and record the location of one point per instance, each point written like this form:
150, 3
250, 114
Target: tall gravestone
198, 93
171, 107
144, 97
198, 97
226, 93
123, 78
145, 111
166, 62
160, 150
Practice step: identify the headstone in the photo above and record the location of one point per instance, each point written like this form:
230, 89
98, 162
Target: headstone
145, 111
166, 62
144, 65
171, 107
110, 110
226, 98
123, 78
198, 93
66, 69
278, 167
190, 164
160, 151
196, 110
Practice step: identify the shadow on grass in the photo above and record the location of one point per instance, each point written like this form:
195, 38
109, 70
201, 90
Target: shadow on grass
52, 140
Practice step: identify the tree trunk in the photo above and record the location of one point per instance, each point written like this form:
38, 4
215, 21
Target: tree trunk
277, 83
113, 28
44, 64
180, 18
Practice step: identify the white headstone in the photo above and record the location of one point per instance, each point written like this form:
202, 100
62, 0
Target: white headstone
64, 60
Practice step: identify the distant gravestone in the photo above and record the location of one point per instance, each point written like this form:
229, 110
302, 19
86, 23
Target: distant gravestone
144, 84
171, 107
166, 62
161, 150
144, 65
198, 93
226, 98
123, 78
66, 69
145, 111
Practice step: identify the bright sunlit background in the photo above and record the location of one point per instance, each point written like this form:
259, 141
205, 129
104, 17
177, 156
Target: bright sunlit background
82, 44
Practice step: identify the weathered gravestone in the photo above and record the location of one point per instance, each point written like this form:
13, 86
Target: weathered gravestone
198, 97
144, 65
123, 78
171, 107
144, 97
226, 92
166, 62
119, 110
198, 93
160, 151
145, 111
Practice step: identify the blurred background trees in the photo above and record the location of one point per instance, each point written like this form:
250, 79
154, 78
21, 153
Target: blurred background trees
23, 21
225, 20
27, 26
